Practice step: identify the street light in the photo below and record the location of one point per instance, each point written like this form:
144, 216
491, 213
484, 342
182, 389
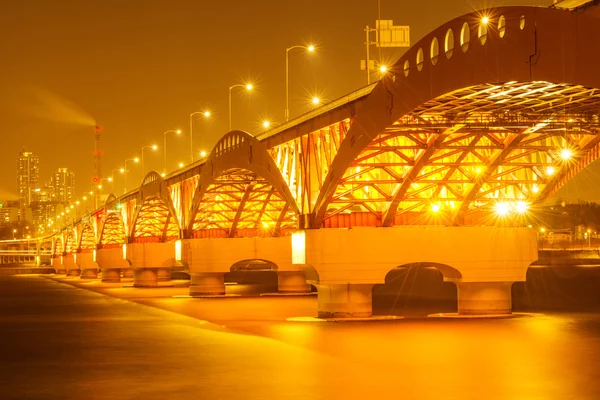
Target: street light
268, 124
135, 160
203, 154
316, 101
206, 114
248, 87
310, 49
153, 147
178, 131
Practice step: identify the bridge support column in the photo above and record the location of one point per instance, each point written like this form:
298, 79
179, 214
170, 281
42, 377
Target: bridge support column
209, 259
89, 268
163, 274
482, 261
344, 301
59, 268
127, 273
484, 298
207, 284
110, 260
145, 277
148, 259
70, 265
292, 282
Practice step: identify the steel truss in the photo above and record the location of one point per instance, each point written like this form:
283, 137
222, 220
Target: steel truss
241, 203
113, 231
459, 153
155, 222
88, 238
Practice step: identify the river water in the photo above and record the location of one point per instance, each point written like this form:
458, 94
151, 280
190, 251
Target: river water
59, 341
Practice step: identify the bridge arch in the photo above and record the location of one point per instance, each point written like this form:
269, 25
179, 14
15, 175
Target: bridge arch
71, 243
241, 192
155, 219
58, 248
112, 232
482, 124
87, 238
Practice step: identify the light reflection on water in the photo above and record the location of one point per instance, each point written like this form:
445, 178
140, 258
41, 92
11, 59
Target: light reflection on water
247, 350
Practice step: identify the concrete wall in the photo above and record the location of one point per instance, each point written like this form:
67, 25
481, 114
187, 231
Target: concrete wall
218, 255
470, 254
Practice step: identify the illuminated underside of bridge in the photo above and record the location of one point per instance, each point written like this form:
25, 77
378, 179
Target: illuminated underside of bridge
468, 150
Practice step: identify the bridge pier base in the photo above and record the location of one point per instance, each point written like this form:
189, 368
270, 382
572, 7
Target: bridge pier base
59, 268
145, 277
207, 284
111, 275
163, 274
87, 265
484, 298
70, 265
483, 262
127, 273
148, 259
345, 301
292, 282
110, 260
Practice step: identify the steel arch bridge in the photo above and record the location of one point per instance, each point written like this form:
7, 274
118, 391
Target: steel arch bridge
495, 107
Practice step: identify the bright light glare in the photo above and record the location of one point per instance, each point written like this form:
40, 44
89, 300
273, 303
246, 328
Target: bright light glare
435, 208
565, 154
311, 48
316, 100
180, 165
207, 113
550, 171
110, 179
478, 170
383, 69
522, 207
85, 197
178, 131
122, 170
163, 174
266, 124
485, 20
202, 153
543, 230
501, 208
77, 202
154, 147
137, 159
249, 86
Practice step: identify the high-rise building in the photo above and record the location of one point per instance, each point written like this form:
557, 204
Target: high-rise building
9, 213
63, 183
28, 175
43, 208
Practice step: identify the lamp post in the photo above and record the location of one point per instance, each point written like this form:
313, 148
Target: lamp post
247, 86
206, 114
165, 146
135, 160
310, 49
153, 147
